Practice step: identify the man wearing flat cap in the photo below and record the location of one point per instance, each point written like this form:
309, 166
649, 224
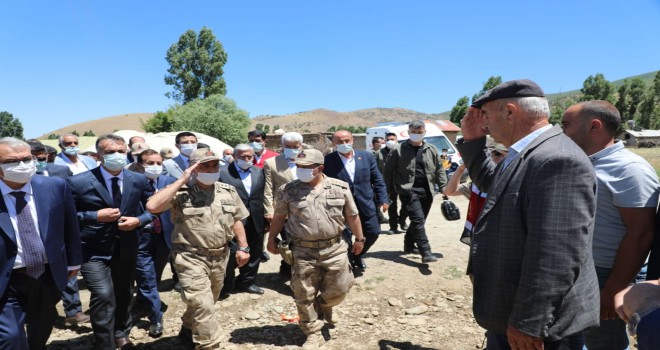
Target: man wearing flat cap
206, 216
534, 279
318, 209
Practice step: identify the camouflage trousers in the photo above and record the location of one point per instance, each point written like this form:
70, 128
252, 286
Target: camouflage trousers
201, 279
320, 278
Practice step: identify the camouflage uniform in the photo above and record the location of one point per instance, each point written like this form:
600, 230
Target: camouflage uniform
321, 274
202, 228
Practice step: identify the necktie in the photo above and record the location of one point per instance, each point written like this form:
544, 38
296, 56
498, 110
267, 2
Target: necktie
156, 224
31, 243
116, 193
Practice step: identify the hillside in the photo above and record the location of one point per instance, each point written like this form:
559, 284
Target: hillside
647, 78
130, 121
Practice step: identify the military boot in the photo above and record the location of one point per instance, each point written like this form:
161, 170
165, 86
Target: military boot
313, 341
329, 317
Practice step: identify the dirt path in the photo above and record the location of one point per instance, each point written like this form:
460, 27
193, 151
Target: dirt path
372, 317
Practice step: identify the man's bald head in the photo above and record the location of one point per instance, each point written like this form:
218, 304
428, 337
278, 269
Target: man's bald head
340, 136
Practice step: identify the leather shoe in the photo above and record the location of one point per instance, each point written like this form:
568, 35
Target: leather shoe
265, 257
76, 319
428, 257
177, 287
156, 330
124, 344
252, 289
403, 226
359, 263
410, 249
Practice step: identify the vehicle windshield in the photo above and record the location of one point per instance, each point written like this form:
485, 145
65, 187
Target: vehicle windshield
440, 142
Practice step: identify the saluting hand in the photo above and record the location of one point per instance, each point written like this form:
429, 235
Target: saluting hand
188, 173
473, 125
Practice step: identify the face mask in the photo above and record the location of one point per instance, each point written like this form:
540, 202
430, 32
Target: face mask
188, 148
208, 178
72, 151
20, 172
256, 146
391, 144
153, 171
114, 161
416, 137
305, 175
344, 147
245, 165
291, 153
41, 166
228, 158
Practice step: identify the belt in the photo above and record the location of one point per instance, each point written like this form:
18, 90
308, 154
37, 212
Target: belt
23, 270
323, 243
198, 250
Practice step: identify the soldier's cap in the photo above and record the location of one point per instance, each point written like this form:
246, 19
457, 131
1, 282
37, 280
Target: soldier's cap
137, 148
495, 146
309, 156
203, 155
509, 89
166, 152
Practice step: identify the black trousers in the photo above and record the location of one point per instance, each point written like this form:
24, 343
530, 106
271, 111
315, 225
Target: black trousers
418, 204
111, 285
28, 304
71, 298
395, 216
496, 341
248, 272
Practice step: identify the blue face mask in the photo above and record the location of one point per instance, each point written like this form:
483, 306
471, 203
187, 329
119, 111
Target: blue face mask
41, 166
256, 146
291, 153
344, 147
188, 148
114, 161
72, 151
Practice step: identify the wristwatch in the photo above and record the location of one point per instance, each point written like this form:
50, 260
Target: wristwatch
634, 320
361, 240
244, 249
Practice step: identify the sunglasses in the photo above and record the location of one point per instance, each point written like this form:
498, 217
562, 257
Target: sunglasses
496, 153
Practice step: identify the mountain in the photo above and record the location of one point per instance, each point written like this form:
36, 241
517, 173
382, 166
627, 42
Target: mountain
647, 78
131, 121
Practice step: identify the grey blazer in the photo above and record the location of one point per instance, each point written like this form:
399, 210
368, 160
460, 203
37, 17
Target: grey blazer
174, 167
531, 250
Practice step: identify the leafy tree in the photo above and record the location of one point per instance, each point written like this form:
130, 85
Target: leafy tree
558, 107
649, 108
459, 109
276, 127
266, 128
597, 88
53, 136
10, 126
160, 122
89, 133
196, 66
216, 116
259, 126
492, 82
623, 102
332, 129
74, 132
636, 94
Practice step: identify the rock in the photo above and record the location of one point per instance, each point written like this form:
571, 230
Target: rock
395, 302
251, 315
369, 320
417, 310
402, 320
451, 297
255, 296
417, 321
375, 313
225, 304
409, 295
278, 309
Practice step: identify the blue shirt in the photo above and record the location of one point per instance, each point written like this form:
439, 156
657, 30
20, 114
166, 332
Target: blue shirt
517, 147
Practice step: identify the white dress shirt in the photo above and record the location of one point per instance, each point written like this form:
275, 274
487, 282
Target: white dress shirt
10, 203
349, 164
77, 167
246, 178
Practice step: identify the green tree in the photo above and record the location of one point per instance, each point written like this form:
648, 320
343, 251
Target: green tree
623, 101
650, 107
259, 126
10, 126
89, 133
196, 66
636, 95
160, 122
459, 109
53, 136
266, 128
597, 88
558, 107
74, 132
216, 116
276, 127
492, 82
332, 129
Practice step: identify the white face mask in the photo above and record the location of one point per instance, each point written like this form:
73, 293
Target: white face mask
291, 153
243, 164
228, 158
153, 171
188, 148
256, 146
305, 175
344, 147
20, 172
391, 144
416, 137
208, 178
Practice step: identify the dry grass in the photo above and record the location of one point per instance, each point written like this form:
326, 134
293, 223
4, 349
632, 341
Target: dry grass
652, 155
105, 125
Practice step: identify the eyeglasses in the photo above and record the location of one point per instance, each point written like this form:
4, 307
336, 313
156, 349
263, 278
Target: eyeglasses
10, 161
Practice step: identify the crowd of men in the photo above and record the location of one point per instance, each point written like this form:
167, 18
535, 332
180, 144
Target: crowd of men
561, 221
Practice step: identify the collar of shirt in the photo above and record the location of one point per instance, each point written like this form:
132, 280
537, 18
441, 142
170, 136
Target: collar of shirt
617, 146
517, 147
6, 190
350, 158
108, 177
66, 159
241, 171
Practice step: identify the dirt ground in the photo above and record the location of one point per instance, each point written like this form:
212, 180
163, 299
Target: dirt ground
397, 303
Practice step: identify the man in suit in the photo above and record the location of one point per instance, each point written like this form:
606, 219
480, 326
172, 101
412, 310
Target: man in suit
396, 217
625, 212
534, 278
154, 247
69, 156
39, 247
248, 179
70, 295
378, 143
360, 171
257, 140
186, 142
278, 171
110, 212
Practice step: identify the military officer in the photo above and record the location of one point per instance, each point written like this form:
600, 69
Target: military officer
206, 216
317, 207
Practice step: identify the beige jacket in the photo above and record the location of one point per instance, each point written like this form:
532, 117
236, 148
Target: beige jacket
277, 174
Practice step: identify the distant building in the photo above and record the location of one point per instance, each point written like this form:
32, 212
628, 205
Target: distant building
641, 138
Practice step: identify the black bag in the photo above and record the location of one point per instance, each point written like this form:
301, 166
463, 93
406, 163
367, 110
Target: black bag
449, 210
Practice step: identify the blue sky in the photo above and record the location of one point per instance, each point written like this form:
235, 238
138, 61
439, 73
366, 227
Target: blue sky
68, 61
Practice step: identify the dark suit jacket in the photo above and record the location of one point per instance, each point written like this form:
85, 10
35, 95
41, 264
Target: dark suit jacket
58, 227
91, 194
531, 249
254, 202
165, 217
60, 171
367, 179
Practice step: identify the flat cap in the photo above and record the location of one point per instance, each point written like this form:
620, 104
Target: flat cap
513, 88
203, 155
309, 156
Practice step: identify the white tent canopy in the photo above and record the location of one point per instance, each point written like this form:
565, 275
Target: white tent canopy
166, 139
